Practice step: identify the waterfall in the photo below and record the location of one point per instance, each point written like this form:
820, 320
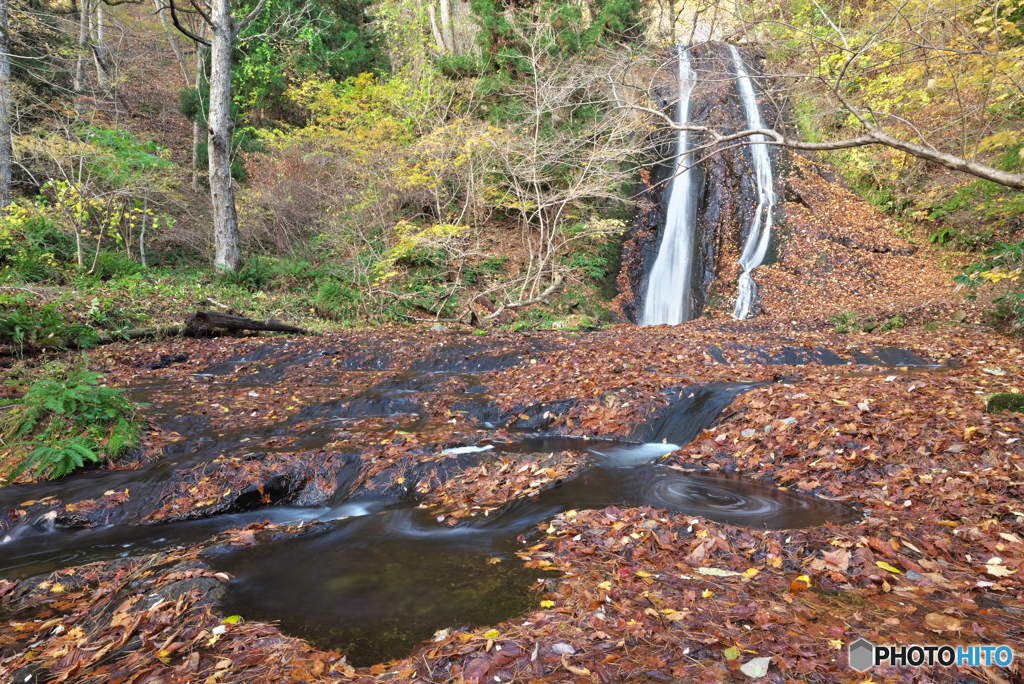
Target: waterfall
759, 236
668, 299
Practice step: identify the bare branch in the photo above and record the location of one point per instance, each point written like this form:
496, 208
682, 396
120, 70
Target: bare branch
555, 284
251, 16
178, 25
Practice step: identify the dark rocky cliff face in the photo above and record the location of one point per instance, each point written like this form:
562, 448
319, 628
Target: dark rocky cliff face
726, 195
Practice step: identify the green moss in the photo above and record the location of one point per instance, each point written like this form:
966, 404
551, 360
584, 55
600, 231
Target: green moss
1007, 401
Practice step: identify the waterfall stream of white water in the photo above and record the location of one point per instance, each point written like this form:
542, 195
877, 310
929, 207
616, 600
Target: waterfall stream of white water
669, 299
759, 235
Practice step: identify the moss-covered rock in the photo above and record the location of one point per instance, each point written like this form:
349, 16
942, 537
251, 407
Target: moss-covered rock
1007, 401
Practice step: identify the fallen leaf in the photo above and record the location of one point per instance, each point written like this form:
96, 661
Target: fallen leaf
581, 671
718, 572
940, 622
800, 584
758, 667
996, 568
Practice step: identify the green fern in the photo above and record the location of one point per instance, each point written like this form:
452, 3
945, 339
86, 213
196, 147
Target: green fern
64, 421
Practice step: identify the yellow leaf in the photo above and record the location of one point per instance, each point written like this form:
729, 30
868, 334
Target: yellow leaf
717, 572
491, 634
731, 653
886, 566
232, 619
750, 573
641, 573
707, 593
547, 604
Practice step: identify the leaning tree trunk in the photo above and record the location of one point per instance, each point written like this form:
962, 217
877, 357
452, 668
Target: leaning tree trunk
5, 106
228, 256
84, 9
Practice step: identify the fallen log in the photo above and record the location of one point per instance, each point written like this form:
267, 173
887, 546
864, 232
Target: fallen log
199, 324
206, 323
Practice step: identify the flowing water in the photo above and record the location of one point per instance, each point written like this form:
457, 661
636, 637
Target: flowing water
374, 587
669, 297
759, 233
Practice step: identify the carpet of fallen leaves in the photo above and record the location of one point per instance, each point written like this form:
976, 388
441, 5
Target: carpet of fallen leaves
646, 595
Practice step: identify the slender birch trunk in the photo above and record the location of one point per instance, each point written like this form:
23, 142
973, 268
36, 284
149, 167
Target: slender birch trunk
99, 48
5, 106
435, 31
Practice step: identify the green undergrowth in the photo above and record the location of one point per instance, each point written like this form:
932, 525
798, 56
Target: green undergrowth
74, 314
851, 321
64, 421
24, 326
74, 309
1000, 271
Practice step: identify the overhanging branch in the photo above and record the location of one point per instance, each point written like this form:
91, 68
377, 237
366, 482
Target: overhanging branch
872, 136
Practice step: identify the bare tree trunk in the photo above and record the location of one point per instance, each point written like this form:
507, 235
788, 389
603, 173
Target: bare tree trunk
447, 27
197, 129
99, 48
142, 231
5, 106
84, 9
228, 256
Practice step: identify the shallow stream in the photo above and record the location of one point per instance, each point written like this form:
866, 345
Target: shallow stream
378, 573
